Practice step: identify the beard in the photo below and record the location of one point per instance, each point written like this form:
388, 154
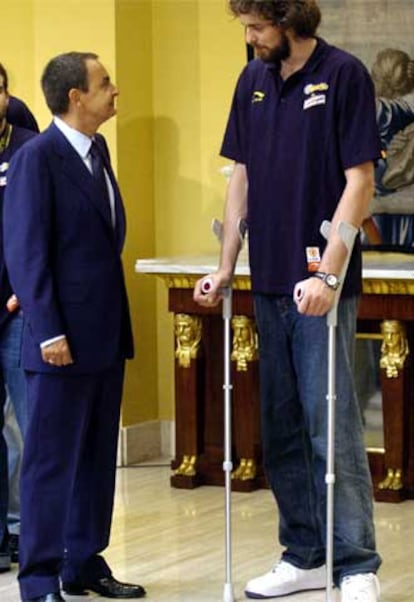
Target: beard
277, 54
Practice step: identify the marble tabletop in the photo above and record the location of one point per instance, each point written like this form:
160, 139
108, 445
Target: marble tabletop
376, 265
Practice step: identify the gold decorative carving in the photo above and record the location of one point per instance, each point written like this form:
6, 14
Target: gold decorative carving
394, 348
370, 286
245, 347
187, 466
246, 470
395, 286
393, 480
240, 283
188, 336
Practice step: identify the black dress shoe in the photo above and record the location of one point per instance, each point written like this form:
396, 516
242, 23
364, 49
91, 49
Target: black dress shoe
5, 560
14, 547
55, 597
105, 586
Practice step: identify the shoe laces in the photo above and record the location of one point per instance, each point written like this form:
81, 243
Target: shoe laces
282, 567
362, 583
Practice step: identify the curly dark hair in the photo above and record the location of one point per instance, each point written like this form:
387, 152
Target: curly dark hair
302, 16
3, 73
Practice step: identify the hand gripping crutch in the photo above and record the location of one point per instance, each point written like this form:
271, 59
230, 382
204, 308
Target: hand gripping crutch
228, 594
347, 233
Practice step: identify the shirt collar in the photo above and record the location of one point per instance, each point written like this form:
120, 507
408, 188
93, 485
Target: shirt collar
80, 142
317, 55
314, 59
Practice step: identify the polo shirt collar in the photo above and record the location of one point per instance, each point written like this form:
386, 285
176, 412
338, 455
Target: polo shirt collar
313, 61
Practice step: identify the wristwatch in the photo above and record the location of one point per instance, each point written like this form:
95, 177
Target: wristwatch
330, 280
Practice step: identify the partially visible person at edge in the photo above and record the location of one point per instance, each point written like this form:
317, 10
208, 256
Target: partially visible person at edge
64, 230
12, 381
18, 113
303, 135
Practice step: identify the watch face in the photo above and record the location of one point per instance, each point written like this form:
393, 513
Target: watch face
331, 280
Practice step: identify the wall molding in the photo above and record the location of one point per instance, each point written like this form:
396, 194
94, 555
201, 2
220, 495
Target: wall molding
146, 441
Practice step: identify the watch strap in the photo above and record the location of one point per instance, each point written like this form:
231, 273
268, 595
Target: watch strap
325, 277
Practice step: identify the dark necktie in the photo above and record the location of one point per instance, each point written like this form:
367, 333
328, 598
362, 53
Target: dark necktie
99, 175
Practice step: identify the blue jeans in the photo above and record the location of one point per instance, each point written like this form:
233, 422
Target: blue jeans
293, 383
12, 385
14, 441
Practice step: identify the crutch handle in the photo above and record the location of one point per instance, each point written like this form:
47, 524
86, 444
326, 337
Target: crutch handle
206, 285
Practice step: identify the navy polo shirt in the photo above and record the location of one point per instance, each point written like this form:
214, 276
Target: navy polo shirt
19, 136
296, 138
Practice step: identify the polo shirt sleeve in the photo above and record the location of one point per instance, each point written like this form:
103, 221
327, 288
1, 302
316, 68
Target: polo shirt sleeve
235, 141
357, 123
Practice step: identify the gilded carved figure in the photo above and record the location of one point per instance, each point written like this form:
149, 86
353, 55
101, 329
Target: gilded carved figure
394, 348
188, 335
244, 342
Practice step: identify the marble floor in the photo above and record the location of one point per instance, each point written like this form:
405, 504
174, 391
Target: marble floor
172, 541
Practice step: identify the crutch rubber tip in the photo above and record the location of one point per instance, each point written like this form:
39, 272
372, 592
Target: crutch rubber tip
228, 595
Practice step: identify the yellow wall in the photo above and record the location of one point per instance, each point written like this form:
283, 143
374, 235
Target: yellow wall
39, 29
17, 42
198, 51
135, 173
175, 63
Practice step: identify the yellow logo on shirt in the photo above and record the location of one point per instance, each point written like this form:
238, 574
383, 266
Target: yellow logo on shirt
258, 96
312, 88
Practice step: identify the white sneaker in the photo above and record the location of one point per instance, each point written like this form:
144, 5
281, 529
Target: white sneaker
363, 587
283, 579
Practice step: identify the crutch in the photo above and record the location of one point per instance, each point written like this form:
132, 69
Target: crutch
347, 233
228, 594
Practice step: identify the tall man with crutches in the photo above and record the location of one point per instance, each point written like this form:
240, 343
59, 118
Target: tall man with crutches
303, 136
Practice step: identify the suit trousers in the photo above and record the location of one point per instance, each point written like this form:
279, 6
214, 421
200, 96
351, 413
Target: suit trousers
68, 477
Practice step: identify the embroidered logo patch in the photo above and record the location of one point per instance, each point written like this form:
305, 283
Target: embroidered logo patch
258, 96
313, 101
315, 93
312, 88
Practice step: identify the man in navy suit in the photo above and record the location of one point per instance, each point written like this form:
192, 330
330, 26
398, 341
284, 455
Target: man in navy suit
63, 235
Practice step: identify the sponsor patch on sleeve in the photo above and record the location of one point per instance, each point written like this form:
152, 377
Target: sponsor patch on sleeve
313, 258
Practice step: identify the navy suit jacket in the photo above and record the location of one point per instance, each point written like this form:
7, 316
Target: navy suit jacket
64, 257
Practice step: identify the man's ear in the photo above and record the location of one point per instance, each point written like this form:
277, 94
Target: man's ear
74, 96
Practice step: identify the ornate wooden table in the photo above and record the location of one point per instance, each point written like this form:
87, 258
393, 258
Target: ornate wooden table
386, 311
